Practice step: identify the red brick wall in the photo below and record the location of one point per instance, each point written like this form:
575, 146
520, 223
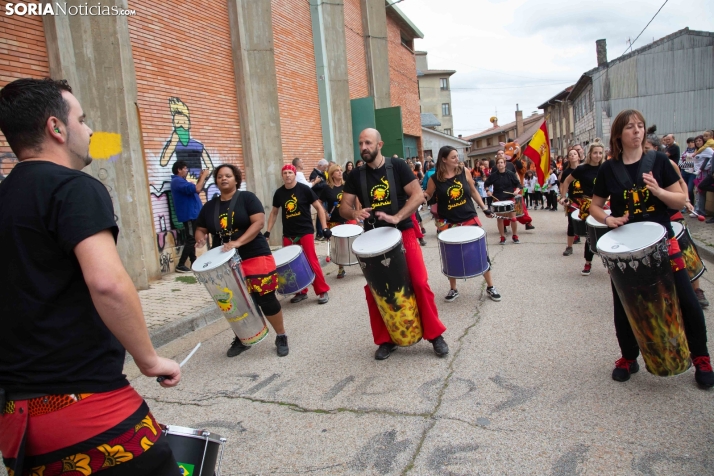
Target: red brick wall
404, 88
184, 54
297, 82
23, 54
356, 57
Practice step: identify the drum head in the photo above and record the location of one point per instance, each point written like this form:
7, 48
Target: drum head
212, 259
677, 228
191, 433
286, 254
591, 221
502, 203
377, 241
631, 237
346, 231
461, 234
575, 215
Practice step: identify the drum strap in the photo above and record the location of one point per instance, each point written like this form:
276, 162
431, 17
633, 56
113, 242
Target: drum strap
229, 215
623, 178
366, 201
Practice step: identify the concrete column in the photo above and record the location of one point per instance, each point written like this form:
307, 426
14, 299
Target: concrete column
257, 90
94, 54
328, 33
374, 26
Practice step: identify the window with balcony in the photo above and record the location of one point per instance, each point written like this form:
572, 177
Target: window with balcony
444, 83
446, 109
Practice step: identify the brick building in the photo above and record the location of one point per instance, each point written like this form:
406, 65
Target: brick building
253, 82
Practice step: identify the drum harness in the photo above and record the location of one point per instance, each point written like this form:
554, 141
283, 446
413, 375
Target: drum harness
623, 178
392, 189
229, 214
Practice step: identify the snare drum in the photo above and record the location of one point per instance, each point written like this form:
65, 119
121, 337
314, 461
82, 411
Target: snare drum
595, 231
294, 271
503, 208
518, 206
637, 257
694, 264
578, 224
341, 244
195, 451
381, 256
221, 273
463, 252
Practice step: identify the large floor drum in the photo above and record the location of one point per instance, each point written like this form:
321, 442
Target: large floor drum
463, 252
637, 257
381, 257
695, 265
341, 244
221, 273
294, 271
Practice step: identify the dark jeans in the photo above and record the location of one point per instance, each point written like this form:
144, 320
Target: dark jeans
538, 197
552, 200
189, 246
692, 315
689, 180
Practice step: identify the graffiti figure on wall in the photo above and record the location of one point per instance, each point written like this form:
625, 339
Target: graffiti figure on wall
181, 144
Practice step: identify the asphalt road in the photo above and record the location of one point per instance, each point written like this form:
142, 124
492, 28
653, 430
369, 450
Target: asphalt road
526, 388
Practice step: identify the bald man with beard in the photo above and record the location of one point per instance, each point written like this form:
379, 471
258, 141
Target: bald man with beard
409, 196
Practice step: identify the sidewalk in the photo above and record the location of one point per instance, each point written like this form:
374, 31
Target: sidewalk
177, 304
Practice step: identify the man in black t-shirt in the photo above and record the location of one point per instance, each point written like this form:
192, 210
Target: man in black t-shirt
68, 307
672, 151
295, 200
379, 204
319, 176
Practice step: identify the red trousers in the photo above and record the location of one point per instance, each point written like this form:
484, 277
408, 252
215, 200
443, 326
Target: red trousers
523, 220
432, 325
417, 227
308, 246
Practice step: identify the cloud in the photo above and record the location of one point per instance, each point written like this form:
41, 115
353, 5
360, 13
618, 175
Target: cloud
502, 49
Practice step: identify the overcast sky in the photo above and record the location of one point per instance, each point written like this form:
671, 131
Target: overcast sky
508, 52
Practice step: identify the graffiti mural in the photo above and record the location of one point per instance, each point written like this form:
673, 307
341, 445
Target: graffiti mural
180, 145
105, 146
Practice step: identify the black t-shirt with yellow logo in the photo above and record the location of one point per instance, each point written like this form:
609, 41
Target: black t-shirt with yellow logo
233, 228
379, 194
583, 181
295, 204
453, 199
332, 196
646, 207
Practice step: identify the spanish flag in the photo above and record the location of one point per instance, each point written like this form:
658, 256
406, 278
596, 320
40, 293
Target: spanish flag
538, 151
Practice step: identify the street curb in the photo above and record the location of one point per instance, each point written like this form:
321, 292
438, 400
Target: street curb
172, 331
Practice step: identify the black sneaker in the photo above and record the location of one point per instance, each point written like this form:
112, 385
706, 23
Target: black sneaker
529, 226
493, 293
703, 373
516, 240
440, 347
422, 241
701, 298
298, 298
568, 251
182, 269
624, 368
384, 351
453, 294
237, 348
281, 342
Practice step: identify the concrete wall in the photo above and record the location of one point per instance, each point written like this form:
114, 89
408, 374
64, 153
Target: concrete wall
356, 53
431, 97
100, 68
183, 80
23, 54
377, 51
434, 141
585, 117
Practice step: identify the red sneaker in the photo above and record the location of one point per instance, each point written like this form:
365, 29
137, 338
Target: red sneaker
703, 373
515, 239
586, 269
503, 240
624, 368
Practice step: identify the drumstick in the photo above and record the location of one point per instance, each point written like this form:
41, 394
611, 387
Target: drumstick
164, 377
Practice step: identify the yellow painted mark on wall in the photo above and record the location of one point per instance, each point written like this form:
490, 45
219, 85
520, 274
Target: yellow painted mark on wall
105, 145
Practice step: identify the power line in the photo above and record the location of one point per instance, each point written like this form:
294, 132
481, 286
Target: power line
648, 24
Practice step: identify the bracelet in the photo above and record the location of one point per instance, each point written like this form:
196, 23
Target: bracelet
606, 217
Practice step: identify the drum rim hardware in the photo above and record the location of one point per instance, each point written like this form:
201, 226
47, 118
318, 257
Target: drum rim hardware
657, 248
483, 236
205, 435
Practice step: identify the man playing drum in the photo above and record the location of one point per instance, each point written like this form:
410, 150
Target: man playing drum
295, 200
653, 189
69, 308
454, 205
380, 196
236, 225
506, 186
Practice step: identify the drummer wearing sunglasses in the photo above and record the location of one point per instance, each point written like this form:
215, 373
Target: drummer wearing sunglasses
69, 308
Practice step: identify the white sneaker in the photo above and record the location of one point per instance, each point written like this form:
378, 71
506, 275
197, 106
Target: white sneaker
693, 215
